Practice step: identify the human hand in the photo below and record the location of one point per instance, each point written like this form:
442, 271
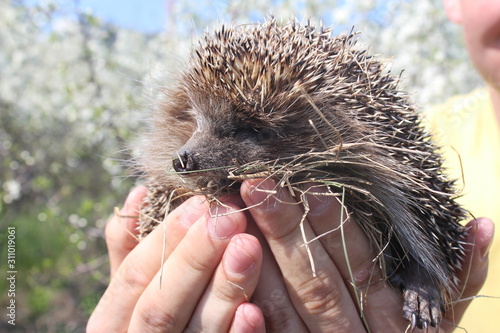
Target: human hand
208, 276
291, 298
300, 302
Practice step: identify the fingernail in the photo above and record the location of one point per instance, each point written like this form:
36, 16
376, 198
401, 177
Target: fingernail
264, 194
220, 224
485, 251
481, 231
236, 259
192, 210
245, 316
319, 198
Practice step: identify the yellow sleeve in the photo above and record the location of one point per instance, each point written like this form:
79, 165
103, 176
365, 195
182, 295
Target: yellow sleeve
467, 130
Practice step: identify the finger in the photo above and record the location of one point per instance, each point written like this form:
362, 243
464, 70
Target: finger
115, 308
121, 229
233, 284
271, 295
187, 272
475, 267
322, 301
248, 319
374, 297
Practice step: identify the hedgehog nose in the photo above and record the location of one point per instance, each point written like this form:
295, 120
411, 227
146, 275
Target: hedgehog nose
184, 161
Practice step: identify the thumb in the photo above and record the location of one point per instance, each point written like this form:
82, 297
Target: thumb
474, 268
121, 229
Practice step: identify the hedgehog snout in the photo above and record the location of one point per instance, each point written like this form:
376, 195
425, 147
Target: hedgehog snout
185, 161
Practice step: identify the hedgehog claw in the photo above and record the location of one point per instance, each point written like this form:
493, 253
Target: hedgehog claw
413, 322
421, 308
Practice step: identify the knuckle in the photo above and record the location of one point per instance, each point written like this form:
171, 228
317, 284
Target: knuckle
131, 277
279, 314
369, 280
320, 295
229, 292
279, 321
278, 317
225, 293
156, 320
195, 261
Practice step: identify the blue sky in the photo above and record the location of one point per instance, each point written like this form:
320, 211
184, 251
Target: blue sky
144, 15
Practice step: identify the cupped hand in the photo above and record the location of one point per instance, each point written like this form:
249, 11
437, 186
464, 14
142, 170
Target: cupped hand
197, 276
322, 299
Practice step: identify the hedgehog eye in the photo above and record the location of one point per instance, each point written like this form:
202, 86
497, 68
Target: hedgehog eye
257, 134
265, 134
243, 132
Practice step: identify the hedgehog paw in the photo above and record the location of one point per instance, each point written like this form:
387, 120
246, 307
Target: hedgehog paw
421, 308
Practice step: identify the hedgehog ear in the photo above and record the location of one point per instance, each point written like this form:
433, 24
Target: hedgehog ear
453, 10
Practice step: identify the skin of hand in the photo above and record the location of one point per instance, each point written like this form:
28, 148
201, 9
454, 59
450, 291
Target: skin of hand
326, 303
201, 291
210, 271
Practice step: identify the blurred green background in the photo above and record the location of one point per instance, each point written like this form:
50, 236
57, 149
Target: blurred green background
74, 89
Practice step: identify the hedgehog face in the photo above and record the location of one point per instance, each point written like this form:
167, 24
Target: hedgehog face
216, 145
223, 138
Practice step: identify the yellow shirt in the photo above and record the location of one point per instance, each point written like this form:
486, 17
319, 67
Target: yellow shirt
467, 129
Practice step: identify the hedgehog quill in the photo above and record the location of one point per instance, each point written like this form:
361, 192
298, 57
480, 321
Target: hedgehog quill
291, 102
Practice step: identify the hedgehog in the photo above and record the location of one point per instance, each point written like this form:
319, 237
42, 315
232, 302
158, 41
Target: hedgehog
293, 102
